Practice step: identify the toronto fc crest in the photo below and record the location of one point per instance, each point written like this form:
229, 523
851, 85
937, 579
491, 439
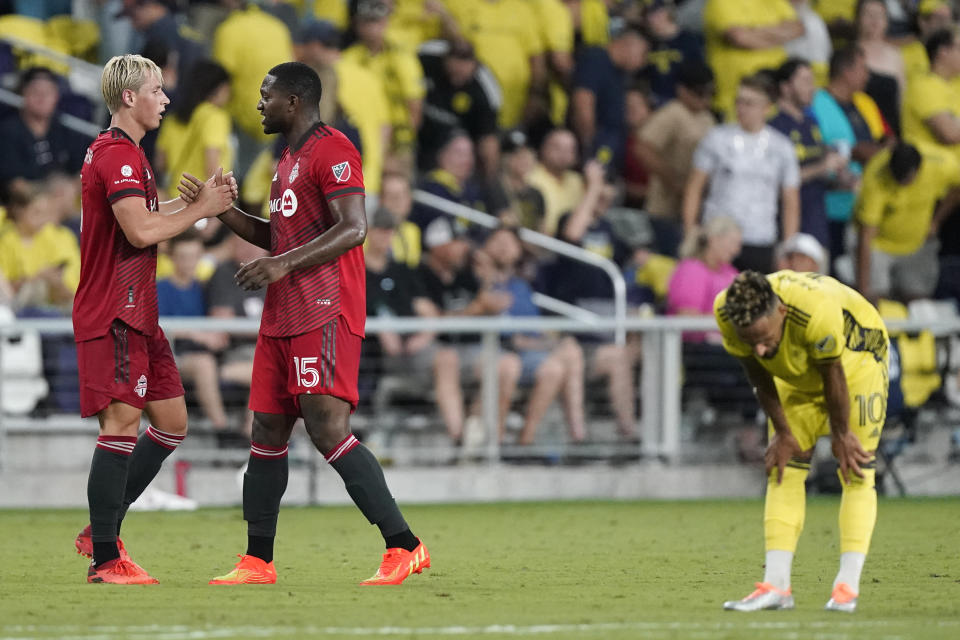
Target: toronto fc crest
141, 388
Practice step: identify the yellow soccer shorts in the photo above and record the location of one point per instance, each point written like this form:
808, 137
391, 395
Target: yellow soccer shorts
808, 418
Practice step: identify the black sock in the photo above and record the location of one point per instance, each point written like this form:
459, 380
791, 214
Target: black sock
145, 463
260, 547
105, 486
365, 483
404, 540
263, 485
105, 552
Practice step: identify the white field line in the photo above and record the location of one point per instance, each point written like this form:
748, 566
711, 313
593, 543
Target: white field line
810, 630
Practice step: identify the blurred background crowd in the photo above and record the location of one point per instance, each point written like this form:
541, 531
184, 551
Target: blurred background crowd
683, 140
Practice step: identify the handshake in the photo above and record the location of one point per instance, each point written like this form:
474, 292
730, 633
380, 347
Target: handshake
213, 197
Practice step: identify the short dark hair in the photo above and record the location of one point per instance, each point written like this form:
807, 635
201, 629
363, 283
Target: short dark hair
904, 161
299, 80
37, 73
749, 298
695, 75
844, 58
788, 69
762, 82
188, 235
938, 40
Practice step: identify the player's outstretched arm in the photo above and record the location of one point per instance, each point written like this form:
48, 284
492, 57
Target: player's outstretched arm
348, 231
783, 445
143, 228
845, 444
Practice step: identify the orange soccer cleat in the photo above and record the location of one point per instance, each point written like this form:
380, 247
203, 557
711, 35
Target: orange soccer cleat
119, 571
84, 546
399, 564
250, 570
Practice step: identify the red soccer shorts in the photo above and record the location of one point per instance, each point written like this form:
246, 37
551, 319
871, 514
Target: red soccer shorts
127, 366
325, 361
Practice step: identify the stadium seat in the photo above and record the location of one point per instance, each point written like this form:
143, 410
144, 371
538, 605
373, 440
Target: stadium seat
22, 384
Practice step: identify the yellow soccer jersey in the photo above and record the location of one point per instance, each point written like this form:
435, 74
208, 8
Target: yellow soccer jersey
52, 246
185, 146
401, 76
926, 96
731, 63
902, 213
248, 44
915, 60
825, 320
364, 101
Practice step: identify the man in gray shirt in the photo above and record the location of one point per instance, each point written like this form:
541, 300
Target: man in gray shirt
748, 170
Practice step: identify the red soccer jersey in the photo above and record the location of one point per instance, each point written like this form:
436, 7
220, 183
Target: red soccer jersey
324, 166
117, 280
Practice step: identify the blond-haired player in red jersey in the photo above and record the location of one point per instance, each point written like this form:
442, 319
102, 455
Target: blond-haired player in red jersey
308, 351
126, 366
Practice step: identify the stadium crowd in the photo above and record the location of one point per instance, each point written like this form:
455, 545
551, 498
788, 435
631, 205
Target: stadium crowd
684, 141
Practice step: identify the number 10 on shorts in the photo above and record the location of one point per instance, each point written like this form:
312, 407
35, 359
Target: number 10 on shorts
307, 376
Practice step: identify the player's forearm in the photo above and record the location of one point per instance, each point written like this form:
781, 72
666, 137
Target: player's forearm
254, 230
766, 392
330, 245
154, 229
837, 397
172, 206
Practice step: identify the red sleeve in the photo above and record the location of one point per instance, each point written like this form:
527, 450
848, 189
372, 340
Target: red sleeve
121, 170
338, 169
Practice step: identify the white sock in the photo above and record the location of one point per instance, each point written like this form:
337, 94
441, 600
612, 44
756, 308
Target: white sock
777, 571
851, 565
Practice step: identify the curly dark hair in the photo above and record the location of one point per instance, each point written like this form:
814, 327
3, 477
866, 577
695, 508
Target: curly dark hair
749, 298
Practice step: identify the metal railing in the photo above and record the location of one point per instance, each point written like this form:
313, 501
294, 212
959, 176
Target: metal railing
550, 244
660, 382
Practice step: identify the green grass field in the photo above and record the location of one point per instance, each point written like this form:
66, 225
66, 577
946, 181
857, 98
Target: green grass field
554, 570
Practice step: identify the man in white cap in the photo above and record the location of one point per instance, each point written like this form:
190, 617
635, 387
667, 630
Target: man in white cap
803, 253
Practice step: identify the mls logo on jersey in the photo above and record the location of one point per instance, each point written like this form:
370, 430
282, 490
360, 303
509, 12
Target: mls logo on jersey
288, 203
274, 178
826, 345
294, 172
141, 388
341, 171
89, 158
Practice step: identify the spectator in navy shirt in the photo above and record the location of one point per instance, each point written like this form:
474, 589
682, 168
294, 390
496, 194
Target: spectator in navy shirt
35, 144
670, 46
590, 287
818, 162
601, 78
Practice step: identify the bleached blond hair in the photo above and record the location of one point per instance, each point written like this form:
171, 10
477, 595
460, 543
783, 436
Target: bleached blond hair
125, 72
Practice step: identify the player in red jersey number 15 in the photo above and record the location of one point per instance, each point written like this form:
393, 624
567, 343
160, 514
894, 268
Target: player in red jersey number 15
308, 351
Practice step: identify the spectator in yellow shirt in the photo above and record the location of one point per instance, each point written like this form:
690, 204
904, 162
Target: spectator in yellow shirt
248, 44
562, 187
196, 137
39, 259
353, 97
932, 16
907, 193
398, 69
744, 36
931, 112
